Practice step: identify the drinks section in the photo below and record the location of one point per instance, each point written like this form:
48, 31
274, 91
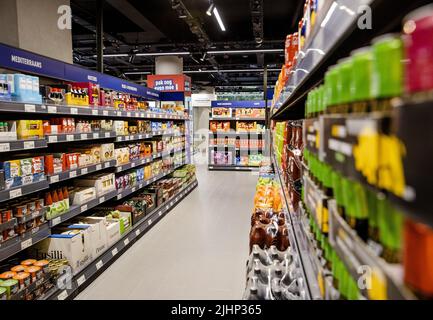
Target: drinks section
355, 171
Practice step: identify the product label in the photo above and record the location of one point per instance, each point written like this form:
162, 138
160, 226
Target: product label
98, 167
114, 252
52, 139
29, 108
101, 200
29, 145
63, 295
99, 264
84, 208
15, 193
52, 109
72, 174
74, 111
105, 113
5, 147
137, 232
84, 136
54, 179
81, 280
84, 171
56, 221
126, 242
95, 112
27, 243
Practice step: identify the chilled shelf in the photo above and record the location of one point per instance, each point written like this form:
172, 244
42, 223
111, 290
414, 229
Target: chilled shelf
236, 119
81, 280
134, 164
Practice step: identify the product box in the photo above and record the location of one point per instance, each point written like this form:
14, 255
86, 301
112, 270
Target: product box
120, 126
30, 129
9, 132
93, 91
55, 163
12, 173
102, 183
81, 196
98, 234
71, 244
121, 156
107, 152
112, 229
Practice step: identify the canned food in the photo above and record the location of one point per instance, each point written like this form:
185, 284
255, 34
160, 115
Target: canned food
7, 275
35, 272
28, 262
43, 264
3, 294
17, 269
11, 287
23, 279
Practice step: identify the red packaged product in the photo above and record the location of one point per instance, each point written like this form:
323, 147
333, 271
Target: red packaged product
419, 49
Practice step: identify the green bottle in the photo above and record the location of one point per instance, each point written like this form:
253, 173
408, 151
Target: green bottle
360, 210
344, 83
362, 74
388, 74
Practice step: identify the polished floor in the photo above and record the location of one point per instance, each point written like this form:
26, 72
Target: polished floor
198, 251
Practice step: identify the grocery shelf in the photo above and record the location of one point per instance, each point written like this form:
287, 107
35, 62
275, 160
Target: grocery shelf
8, 225
70, 174
167, 153
356, 255
143, 136
29, 108
32, 216
300, 242
222, 146
335, 35
20, 191
235, 133
19, 243
96, 267
133, 164
74, 137
21, 294
236, 119
22, 145
76, 210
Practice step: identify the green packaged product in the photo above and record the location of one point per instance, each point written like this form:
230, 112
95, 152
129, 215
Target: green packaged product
388, 68
331, 83
344, 82
3, 293
11, 287
362, 74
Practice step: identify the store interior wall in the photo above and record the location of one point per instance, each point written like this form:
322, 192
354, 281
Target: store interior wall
34, 26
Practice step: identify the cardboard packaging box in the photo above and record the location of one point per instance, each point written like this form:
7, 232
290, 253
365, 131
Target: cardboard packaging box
98, 234
102, 183
80, 196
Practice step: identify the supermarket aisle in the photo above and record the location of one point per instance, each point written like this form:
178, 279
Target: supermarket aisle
198, 251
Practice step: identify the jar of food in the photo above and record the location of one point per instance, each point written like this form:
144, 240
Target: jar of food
17, 269
3, 293
44, 265
35, 272
11, 287
28, 262
7, 275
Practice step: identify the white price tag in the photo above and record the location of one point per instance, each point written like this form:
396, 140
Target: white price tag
105, 113
160, 213
84, 171
140, 186
52, 139
107, 134
101, 200
29, 108
142, 115
84, 208
127, 138
128, 114
119, 113
140, 136
119, 196
52, 109
95, 112
137, 232
84, 136
167, 207
63, 295
153, 115
54, 179
114, 252
106, 165
56, 221
171, 203
15, 193
160, 116
27, 243
29, 145
177, 198
98, 167
133, 189
81, 280
149, 222
95, 135
132, 164
5, 147
99, 264
74, 111
70, 137
126, 242
73, 174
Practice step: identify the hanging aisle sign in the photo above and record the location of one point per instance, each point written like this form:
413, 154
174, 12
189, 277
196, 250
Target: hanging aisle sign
238, 104
27, 62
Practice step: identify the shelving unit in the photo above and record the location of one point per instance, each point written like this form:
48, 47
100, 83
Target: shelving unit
54, 142
230, 148
336, 35
95, 268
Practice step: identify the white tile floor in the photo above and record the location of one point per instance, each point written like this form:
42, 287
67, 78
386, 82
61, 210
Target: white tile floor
198, 251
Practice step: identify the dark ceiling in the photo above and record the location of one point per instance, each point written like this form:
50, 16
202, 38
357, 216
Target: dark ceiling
150, 26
